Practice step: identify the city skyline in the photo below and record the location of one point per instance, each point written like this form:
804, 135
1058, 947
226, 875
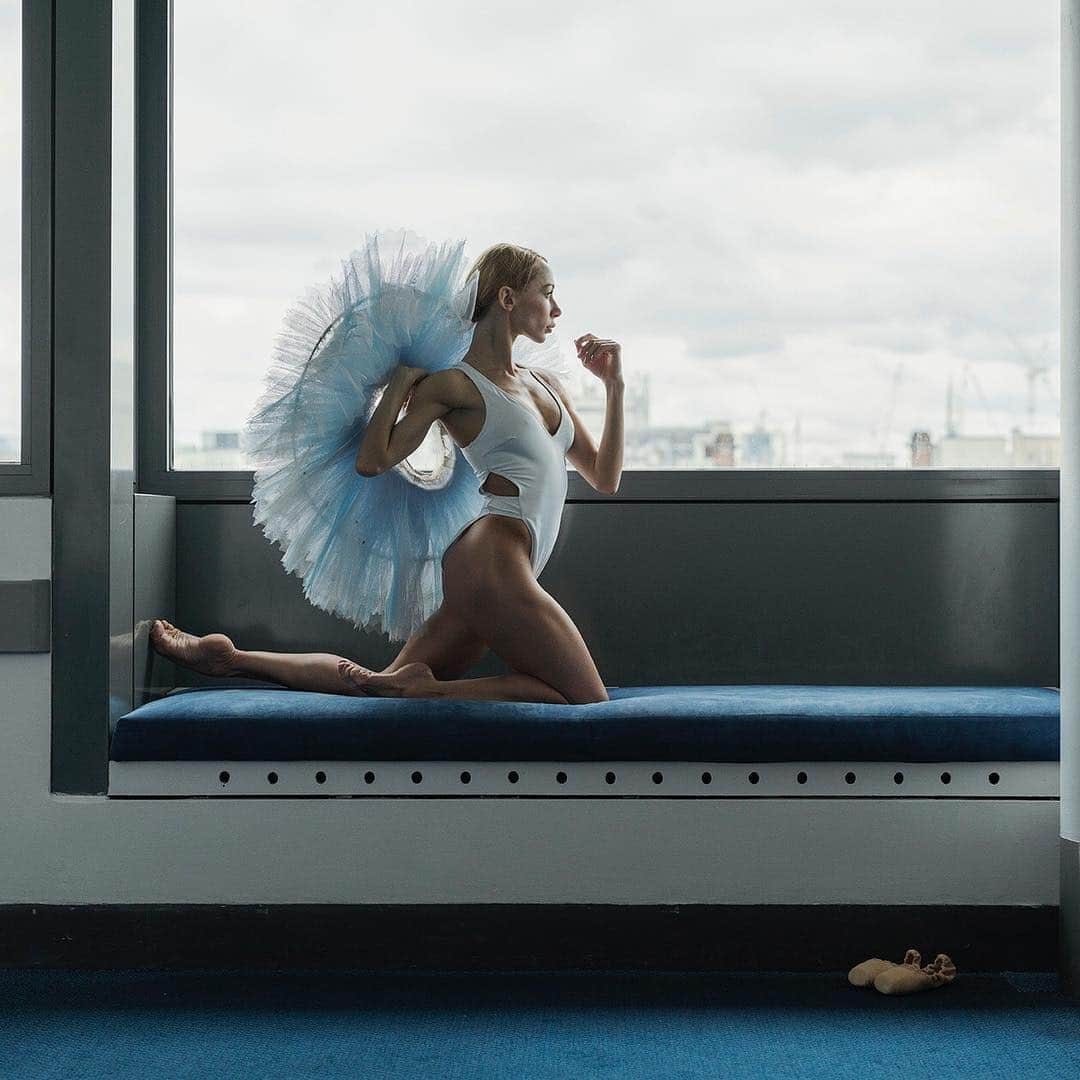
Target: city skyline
719, 444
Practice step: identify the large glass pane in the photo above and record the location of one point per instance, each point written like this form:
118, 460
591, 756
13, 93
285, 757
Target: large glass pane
10, 230
826, 234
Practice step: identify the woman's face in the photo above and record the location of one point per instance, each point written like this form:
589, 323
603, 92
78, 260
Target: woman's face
536, 309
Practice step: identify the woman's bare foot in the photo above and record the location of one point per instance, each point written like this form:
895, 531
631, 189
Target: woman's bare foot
213, 654
410, 680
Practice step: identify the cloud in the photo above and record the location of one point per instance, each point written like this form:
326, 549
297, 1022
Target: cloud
772, 205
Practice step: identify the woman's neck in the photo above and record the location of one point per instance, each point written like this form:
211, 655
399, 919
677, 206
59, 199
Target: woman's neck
491, 350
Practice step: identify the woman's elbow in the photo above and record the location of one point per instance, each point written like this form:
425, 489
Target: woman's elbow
369, 468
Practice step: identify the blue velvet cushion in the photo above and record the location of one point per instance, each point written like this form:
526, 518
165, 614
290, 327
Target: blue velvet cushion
639, 723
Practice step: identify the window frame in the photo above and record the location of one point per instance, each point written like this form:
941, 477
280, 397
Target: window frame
32, 474
154, 245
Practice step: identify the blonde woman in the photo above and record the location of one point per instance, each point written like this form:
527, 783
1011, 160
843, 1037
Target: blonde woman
474, 586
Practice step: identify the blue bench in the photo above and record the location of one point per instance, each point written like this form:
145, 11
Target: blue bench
718, 794
642, 723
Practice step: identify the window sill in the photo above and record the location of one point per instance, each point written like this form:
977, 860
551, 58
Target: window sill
1024, 484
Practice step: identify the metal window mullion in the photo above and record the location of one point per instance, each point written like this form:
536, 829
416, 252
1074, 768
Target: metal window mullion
153, 226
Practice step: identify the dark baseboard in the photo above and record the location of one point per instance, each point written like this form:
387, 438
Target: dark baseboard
524, 937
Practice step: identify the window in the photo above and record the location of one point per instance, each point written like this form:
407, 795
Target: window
825, 234
11, 397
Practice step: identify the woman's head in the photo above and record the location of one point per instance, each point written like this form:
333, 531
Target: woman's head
516, 284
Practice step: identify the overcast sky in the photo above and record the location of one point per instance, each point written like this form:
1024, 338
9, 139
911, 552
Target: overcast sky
782, 211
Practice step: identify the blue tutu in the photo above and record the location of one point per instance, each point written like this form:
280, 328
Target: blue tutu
367, 548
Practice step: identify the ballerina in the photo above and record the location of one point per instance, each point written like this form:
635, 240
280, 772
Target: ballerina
516, 428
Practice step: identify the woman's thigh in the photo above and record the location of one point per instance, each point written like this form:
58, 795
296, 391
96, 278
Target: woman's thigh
445, 643
497, 596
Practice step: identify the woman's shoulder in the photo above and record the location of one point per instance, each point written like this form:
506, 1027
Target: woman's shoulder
454, 388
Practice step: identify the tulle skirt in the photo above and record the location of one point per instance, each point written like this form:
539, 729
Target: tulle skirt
368, 549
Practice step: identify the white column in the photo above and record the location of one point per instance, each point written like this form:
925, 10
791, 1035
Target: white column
1069, 955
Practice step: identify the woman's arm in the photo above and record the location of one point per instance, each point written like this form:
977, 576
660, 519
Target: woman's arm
583, 453
609, 454
603, 357
388, 440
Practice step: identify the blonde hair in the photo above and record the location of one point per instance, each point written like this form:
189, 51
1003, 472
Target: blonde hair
502, 264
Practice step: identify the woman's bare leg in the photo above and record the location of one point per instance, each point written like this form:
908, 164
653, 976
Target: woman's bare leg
417, 680
537, 634
489, 585
215, 654
444, 643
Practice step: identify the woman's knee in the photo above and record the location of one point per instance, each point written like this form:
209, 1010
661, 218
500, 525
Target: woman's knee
539, 638
588, 695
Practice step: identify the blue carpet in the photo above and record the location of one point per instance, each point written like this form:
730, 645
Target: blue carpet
617, 1025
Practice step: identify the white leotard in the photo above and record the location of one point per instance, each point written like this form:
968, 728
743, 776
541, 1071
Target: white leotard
521, 448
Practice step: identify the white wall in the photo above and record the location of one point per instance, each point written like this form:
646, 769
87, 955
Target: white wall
58, 849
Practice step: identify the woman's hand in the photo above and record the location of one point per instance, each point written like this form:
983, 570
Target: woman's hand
602, 356
407, 378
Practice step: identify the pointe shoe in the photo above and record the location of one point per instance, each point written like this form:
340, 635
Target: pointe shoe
865, 973
905, 979
942, 970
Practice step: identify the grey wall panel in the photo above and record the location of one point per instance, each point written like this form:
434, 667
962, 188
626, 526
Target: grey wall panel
25, 616
229, 578
155, 590
858, 593
121, 586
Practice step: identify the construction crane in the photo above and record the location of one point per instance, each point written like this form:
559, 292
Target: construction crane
968, 375
1033, 368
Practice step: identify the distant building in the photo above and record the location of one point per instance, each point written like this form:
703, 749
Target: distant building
972, 451
215, 450
866, 459
590, 403
922, 449
221, 440
986, 451
758, 448
1035, 449
720, 448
